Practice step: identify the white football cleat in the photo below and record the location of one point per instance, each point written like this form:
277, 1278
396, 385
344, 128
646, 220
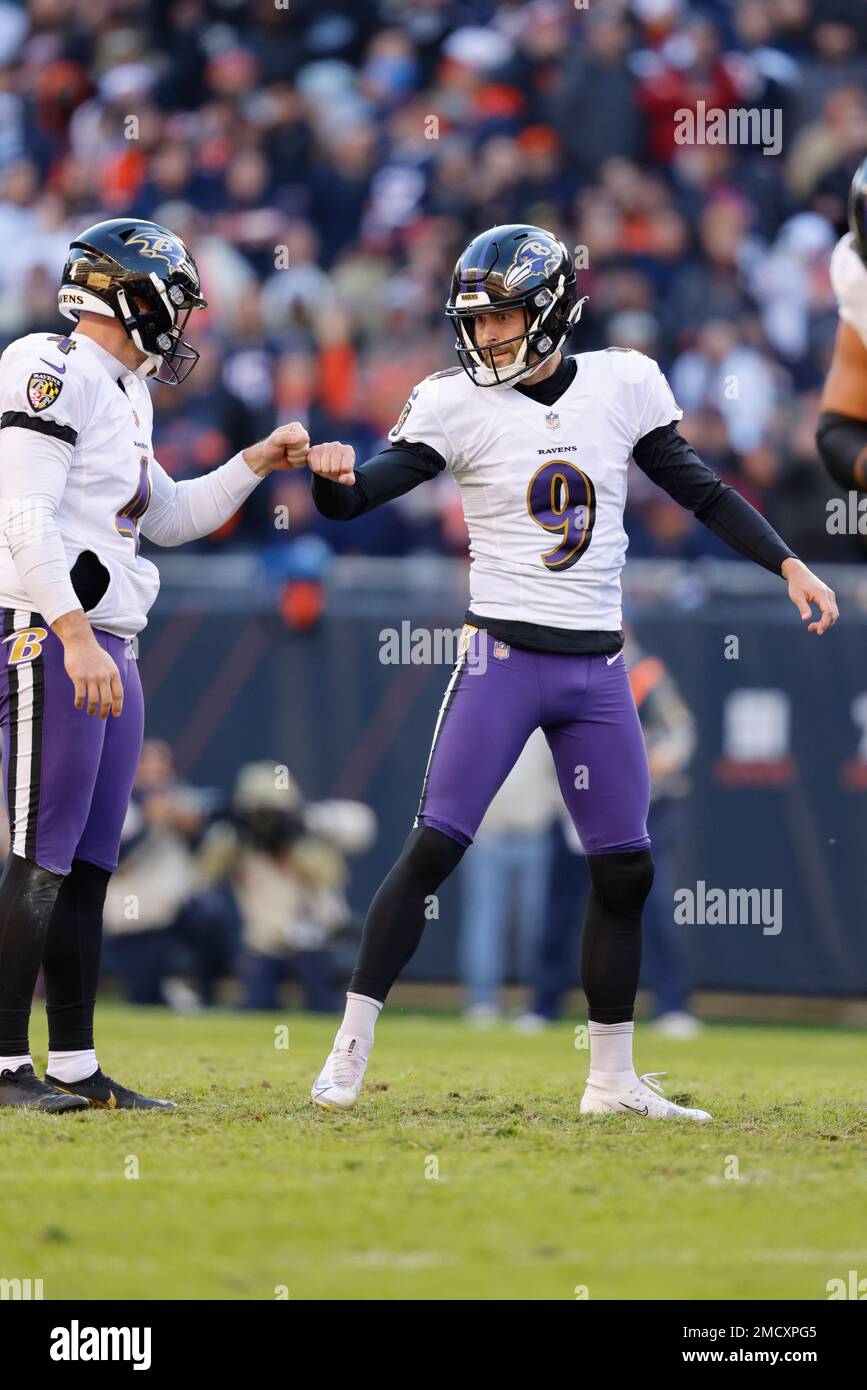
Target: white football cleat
643, 1096
338, 1085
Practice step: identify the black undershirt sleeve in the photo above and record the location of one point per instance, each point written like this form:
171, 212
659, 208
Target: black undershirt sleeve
390, 474
672, 463
842, 444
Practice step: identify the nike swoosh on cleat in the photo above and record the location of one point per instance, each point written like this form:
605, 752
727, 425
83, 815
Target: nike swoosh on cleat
634, 1108
320, 1090
52, 365
110, 1104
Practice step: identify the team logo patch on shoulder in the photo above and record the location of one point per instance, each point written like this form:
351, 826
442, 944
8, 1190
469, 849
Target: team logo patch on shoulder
403, 416
43, 388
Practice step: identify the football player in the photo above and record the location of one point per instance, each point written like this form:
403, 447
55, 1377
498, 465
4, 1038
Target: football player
539, 444
79, 486
841, 436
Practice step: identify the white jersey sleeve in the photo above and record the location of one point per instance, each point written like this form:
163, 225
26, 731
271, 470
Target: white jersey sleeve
654, 400
185, 511
35, 395
41, 413
421, 421
849, 280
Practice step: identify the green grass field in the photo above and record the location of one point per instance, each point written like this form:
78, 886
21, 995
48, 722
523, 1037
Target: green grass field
248, 1187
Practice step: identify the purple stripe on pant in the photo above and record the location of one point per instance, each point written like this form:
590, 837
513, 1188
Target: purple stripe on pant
67, 775
585, 706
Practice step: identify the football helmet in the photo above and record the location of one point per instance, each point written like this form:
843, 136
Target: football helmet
858, 210
514, 266
144, 276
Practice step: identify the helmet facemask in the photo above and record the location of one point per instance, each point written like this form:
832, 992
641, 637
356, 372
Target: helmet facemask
157, 330
542, 336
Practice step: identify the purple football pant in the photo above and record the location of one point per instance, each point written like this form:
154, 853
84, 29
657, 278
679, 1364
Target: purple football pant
67, 774
495, 699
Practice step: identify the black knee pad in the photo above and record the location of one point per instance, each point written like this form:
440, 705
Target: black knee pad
622, 882
28, 886
429, 856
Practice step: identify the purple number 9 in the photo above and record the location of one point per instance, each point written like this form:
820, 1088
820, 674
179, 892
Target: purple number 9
562, 499
131, 513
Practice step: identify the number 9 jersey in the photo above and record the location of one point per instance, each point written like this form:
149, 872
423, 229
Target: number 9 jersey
544, 487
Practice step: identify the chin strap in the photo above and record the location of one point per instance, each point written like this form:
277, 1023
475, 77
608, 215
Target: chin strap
518, 370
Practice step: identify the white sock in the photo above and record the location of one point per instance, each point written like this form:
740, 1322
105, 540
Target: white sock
360, 1018
72, 1066
611, 1054
13, 1063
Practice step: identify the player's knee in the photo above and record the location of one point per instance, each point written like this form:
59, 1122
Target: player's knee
429, 855
29, 885
622, 881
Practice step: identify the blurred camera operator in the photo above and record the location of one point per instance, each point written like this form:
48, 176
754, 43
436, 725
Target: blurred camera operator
282, 863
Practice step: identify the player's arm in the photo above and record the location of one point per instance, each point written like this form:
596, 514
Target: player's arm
341, 491
841, 436
419, 448
35, 455
672, 463
186, 511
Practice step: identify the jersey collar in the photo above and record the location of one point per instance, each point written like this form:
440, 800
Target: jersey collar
114, 368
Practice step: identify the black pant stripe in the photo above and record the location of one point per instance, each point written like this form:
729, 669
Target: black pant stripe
37, 666
11, 752
451, 691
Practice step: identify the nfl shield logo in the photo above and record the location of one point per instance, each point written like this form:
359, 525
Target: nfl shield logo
501, 650
552, 420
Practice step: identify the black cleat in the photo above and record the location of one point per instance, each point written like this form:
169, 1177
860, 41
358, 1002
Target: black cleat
23, 1087
100, 1091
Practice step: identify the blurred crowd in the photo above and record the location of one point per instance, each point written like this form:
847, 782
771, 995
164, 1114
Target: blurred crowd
327, 164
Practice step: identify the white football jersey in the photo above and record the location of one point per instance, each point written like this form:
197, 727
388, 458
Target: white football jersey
72, 384
849, 280
544, 487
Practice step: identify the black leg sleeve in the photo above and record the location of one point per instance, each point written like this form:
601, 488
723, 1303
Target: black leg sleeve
395, 921
71, 958
611, 942
27, 897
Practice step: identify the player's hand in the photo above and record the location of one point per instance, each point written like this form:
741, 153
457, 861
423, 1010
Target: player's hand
94, 675
334, 461
285, 447
806, 588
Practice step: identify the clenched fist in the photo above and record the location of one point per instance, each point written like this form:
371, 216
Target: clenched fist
334, 461
285, 447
